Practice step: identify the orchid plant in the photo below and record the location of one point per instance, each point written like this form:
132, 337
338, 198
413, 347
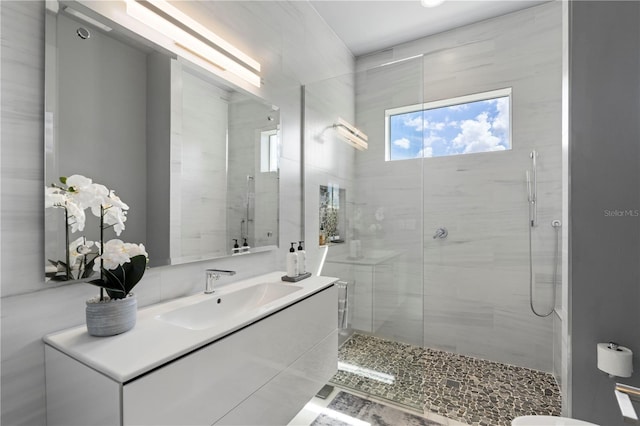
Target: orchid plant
120, 265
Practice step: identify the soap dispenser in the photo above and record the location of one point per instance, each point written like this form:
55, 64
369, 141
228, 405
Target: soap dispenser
302, 259
292, 262
245, 246
236, 247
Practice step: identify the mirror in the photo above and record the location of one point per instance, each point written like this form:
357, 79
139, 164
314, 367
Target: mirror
194, 157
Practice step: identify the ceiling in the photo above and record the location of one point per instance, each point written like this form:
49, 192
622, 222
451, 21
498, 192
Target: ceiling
367, 26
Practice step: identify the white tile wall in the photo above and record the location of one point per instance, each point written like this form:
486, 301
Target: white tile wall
294, 46
247, 119
328, 159
200, 183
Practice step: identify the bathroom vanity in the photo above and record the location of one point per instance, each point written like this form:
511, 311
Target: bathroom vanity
271, 347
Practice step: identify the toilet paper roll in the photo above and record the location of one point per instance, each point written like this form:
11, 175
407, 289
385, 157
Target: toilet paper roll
615, 360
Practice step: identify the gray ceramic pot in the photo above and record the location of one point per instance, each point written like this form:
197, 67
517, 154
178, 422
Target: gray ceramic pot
111, 317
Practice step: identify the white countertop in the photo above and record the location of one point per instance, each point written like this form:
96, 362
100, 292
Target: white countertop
152, 343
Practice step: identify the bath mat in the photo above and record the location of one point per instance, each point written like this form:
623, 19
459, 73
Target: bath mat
346, 404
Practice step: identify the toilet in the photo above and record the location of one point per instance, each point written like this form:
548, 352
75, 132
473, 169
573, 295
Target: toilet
548, 421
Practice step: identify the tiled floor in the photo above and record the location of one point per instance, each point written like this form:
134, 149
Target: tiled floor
461, 388
318, 406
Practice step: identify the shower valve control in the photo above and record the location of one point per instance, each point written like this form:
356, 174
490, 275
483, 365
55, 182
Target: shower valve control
441, 233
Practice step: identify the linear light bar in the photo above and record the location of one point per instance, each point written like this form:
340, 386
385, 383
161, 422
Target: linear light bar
233, 61
351, 134
87, 19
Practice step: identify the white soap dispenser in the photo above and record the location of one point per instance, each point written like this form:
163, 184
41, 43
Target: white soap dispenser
292, 262
302, 259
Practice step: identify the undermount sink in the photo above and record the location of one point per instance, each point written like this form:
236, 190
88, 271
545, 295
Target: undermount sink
221, 306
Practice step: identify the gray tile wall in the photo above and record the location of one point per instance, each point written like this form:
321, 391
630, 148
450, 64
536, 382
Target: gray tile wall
604, 152
294, 46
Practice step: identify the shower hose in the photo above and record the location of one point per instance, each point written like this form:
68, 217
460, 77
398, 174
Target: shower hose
556, 226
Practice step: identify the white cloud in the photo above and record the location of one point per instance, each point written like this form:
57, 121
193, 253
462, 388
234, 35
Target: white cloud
461, 107
501, 123
419, 124
438, 125
416, 123
403, 143
429, 140
476, 136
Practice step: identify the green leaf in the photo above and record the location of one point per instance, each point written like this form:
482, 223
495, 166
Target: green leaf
134, 271
63, 179
59, 278
120, 281
109, 286
88, 269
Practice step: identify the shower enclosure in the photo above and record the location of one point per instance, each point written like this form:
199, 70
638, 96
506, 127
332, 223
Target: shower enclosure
466, 292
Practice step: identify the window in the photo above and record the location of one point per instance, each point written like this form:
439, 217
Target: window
464, 125
269, 151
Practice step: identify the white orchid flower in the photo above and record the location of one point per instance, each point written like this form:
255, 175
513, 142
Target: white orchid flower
115, 201
95, 196
78, 181
76, 217
113, 256
54, 197
86, 194
77, 249
116, 217
135, 249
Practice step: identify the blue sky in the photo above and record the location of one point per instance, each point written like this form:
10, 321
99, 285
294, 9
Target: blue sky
479, 126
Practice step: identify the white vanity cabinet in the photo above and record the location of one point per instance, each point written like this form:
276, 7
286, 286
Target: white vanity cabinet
262, 374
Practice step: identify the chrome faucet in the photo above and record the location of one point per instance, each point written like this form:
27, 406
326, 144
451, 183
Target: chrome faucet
214, 275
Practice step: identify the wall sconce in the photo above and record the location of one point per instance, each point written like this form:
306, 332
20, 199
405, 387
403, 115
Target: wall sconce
351, 134
194, 38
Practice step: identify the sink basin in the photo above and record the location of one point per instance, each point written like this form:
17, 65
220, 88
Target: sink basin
219, 307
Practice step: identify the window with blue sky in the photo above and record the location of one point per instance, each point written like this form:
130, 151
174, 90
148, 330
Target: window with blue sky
469, 124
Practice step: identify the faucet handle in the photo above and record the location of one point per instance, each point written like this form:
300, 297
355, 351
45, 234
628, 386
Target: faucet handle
212, 276
221, 272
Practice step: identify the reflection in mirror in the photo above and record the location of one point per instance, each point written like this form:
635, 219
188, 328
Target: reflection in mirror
329, 166
195, 159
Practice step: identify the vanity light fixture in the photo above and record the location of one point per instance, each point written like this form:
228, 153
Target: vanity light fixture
87, 19
351, 134
194, 38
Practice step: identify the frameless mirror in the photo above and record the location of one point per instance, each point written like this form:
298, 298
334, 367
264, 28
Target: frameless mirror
193, 157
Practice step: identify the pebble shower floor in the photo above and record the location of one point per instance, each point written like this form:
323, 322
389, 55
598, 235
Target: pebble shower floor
462, 388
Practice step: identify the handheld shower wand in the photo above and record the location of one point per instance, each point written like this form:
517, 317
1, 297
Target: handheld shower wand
532, 197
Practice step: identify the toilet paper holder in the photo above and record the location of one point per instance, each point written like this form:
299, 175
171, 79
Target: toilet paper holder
615, 360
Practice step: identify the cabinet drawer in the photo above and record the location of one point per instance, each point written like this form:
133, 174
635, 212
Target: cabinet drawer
203, 386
